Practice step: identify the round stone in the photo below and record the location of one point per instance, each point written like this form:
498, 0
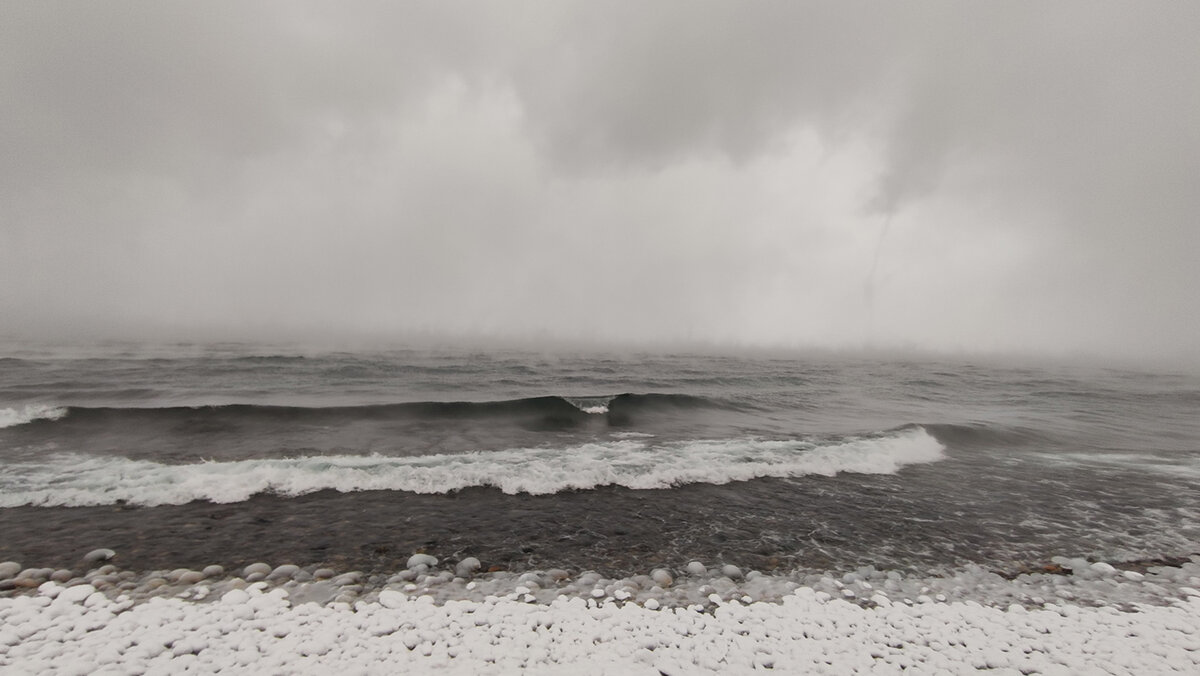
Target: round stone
62, 575
421, 560
213, 571
98, 555
287, 570
324, 573
696, 569
191, 577
731, 571
9, 569
76, 594
347, 578
661, 577
467, 566
260, 568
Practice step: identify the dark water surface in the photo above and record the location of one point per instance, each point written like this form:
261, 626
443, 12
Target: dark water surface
182, 456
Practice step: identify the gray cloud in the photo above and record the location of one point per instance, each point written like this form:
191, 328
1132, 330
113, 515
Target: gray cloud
705, 171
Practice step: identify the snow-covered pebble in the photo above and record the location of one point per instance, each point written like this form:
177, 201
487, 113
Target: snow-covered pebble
467, 566
98, 555
421, 560
261, 632
286, 571
701, 622
258, 568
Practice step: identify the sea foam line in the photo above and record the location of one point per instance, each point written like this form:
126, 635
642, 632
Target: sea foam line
76, 480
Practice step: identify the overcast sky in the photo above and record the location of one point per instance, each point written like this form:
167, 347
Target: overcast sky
1013, 176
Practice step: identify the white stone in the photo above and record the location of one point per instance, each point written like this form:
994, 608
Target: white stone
98, 555
467, 566
76, 594
287, 570
390, 598
421, 560
259, 568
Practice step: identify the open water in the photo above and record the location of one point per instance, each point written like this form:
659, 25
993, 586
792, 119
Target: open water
186, 455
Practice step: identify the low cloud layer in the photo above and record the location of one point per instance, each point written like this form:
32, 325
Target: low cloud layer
1015, 177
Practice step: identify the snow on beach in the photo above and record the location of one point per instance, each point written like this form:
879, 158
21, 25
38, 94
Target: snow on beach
1098, 619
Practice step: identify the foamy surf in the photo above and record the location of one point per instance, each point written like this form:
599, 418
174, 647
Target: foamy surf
75, 480
11, 417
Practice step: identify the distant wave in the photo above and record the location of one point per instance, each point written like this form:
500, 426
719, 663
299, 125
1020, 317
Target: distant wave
637, 463
11, 417
543, 412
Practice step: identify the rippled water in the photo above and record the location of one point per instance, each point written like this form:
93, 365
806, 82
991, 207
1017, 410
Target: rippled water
183, 455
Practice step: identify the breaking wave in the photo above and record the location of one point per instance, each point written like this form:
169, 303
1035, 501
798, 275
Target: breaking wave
11, 417
636, 463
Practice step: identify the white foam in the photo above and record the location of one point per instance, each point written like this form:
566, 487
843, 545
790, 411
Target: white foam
10, 417
76, 480
1182, 465
592, 405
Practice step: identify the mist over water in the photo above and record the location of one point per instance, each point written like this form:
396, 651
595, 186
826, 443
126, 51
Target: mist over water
828, 177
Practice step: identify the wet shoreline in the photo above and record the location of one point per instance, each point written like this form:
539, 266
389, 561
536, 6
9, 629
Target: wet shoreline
771, 525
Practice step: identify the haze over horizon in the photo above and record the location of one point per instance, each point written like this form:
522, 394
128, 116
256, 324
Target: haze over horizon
1016, 177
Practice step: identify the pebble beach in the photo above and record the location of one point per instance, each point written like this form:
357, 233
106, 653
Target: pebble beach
454, 618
